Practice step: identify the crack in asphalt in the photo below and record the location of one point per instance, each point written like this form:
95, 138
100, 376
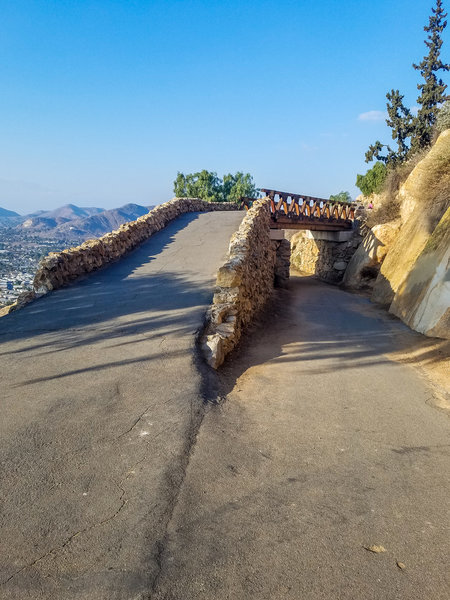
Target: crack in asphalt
70, 538
123, 501
139, 418
208, 388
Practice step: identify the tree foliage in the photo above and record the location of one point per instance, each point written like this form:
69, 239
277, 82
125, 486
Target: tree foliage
401, 123
204, 184
432, 91
237, 186
341, 197
372, 182
208, 186
412, 134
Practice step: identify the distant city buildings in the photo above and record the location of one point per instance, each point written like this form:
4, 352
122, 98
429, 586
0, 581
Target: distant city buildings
12, 284
20, 254
25, 240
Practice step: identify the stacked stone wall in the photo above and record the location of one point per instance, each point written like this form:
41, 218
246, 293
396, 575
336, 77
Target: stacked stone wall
61, 268
327, 259
245, 282
282, 262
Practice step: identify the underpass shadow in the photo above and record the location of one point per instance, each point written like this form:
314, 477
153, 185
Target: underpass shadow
321, 328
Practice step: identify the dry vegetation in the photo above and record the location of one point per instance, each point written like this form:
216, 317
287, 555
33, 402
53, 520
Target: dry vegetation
434, 188
396, 177
386, 209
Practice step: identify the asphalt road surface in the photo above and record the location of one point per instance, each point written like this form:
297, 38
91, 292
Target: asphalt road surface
322, 448
100, 402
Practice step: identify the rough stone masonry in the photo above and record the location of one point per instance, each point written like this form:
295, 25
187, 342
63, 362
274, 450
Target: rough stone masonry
245, 282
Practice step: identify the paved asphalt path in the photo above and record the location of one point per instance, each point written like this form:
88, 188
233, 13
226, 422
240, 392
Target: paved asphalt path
322, 448
100, 402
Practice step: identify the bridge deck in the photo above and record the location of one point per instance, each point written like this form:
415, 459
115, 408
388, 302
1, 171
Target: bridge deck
297, 211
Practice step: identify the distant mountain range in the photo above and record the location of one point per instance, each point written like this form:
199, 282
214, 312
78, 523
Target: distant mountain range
9, 218
8, 213
72, 222
51, 220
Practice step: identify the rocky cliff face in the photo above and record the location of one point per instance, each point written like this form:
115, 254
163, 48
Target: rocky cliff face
365, 264
425, 196
412, 254
422, 300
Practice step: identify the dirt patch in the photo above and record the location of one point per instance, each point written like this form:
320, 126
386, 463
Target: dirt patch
431, 356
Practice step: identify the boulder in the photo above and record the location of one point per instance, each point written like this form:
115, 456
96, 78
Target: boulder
422, 301
364, 265
340, 265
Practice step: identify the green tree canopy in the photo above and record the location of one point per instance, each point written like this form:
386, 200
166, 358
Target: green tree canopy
372, 182
237, 186
400, 121
208, 186
414, 133
341, 197
432, 90
204, 184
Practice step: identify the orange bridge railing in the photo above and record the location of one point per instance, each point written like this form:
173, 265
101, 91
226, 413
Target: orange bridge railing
297, 211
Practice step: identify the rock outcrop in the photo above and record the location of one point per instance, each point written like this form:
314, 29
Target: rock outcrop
412, 254
60, 268
324, 254
245, 282
425, 198
365, 264
422, 301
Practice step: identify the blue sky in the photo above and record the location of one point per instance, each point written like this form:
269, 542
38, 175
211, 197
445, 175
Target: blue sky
103, 102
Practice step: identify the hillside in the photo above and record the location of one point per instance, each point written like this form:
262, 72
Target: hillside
8, 213
9, 218
73, 222
97, 224
48, 220
410, 256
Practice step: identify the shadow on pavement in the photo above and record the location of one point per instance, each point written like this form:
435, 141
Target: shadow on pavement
110, 293
122, 315
320, 328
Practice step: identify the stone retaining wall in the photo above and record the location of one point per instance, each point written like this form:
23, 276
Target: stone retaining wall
324, 254
60, 268
245, 282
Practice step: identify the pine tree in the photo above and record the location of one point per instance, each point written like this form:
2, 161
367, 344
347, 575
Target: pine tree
432, 90
401, 123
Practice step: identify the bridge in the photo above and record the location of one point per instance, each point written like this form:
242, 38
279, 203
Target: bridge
298, 211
